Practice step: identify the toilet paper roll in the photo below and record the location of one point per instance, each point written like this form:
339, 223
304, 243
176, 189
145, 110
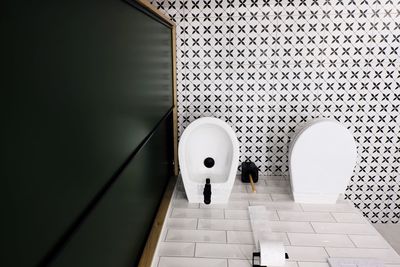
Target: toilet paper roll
272, 253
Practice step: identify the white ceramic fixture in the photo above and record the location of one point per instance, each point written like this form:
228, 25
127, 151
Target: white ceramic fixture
208, 148
322, 157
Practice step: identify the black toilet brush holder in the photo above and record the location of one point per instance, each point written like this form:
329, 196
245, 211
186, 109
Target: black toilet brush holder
249, 169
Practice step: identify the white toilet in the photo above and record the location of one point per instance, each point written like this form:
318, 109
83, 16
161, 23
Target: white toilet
208, 149
322, 157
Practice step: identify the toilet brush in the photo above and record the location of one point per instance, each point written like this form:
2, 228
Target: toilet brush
250, 174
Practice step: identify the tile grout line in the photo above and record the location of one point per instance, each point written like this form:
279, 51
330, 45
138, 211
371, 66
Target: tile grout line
312, 227
351, 240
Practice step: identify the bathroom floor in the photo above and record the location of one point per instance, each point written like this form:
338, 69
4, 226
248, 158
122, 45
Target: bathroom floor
198, 235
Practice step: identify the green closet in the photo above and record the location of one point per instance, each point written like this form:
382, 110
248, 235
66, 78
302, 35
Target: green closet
86, 135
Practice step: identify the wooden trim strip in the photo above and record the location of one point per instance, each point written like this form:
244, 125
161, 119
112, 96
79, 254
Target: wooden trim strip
146, 4
152, 240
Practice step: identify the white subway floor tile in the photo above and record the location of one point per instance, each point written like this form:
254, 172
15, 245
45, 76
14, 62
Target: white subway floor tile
247, 263
293, 227
320, 240
196, 236
277, 205
344, 217
369, 241
281, 197
191, 262
306, 253
305, 216
312, 264
227, 251
278, 183
387, 255
247, 196
244, 237
239, 188
176, 249
197, 213
343, 207
181, 223
240, 237
260, 189
217, 224
183, 203
239, 263
343, 228
241, 204
237, 214
244, 215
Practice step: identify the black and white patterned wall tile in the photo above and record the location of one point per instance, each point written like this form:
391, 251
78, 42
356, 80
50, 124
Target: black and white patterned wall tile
268, 66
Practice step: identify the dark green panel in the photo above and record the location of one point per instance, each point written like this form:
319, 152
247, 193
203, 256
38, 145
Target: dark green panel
82, 83
115, 232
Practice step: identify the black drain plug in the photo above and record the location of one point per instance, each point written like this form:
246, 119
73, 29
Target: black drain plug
209, 162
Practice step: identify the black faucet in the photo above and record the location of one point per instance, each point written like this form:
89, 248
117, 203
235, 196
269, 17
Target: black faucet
207, 192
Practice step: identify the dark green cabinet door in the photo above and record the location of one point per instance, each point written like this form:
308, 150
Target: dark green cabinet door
82, 84
115, 232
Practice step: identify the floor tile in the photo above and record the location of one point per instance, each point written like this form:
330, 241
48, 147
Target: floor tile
240, 237
369, 241
345, 217
176, 249
237, 214
196, 236
262, 189
247, 196
181, 223
183, 203
244, 215
277, 183
320, 240
277, 205
232, 205
329, 207
294, 227
247, 263
305, 216
343, 228
355, 262
312, 264
217, 224
274, 177
387, 255
281, 197
306, 253
227, 251
192, 262
197, 213
239, 188
245, 237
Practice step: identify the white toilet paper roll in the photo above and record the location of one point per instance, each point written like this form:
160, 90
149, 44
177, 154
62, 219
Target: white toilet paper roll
272, 253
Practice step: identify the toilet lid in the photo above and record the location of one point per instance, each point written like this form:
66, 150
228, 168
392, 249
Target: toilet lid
322, 158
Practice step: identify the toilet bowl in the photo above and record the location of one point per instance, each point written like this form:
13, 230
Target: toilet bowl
322, 157
208, 149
